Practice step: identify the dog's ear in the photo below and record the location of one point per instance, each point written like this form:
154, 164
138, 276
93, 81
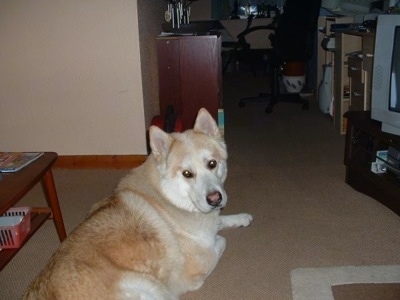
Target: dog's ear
206, 124
160, 142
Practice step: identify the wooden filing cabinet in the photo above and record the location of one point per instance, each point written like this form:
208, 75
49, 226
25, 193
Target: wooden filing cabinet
344, 44
354, 56
190, 75
360, 74
368, 48
357, 82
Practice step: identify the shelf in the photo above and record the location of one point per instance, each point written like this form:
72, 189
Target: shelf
38, 217
362, 159
390, 164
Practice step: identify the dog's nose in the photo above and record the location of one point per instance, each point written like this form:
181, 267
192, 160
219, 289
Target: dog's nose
214, 199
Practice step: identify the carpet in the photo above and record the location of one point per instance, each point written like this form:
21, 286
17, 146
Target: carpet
335, 283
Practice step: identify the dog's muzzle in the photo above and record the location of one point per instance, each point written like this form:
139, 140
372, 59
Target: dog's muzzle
214, 199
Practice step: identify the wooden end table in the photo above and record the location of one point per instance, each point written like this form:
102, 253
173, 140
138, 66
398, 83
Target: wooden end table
14, 186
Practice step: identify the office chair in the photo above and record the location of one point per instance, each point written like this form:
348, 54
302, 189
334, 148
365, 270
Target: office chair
267, 58
292, 41
233, 49
254, 57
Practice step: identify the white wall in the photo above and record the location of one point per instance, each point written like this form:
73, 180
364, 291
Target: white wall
70, 77
201, 10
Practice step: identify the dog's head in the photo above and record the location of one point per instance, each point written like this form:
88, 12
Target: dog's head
192, 165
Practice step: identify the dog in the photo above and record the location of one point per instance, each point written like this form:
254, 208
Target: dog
156, 237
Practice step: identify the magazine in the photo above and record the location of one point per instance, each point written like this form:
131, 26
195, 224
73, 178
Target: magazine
15, 161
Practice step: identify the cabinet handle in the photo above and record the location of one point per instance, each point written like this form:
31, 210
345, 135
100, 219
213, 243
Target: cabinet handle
355, 94
354, 69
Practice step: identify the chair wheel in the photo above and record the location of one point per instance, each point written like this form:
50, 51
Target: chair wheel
242, 103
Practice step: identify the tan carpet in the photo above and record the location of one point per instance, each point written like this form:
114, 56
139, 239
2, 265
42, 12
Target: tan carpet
286, 168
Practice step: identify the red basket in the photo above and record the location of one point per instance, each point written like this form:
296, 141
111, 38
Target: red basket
15, 224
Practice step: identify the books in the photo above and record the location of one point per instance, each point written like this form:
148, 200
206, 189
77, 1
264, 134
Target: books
15, 161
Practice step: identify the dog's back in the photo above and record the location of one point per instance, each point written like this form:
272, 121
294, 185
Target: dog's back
120, 249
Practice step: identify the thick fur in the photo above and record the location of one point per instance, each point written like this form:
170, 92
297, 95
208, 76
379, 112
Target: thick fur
156, 236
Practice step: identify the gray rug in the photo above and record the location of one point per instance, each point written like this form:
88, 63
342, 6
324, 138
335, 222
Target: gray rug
317, 283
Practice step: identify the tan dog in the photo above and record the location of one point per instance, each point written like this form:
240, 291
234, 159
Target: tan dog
156, 236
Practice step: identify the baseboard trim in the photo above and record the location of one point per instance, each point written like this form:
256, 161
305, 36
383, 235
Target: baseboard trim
99, 161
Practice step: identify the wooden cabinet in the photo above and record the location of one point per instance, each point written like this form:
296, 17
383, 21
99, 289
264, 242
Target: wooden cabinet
190, 75
357, 83
344, 44
352, 74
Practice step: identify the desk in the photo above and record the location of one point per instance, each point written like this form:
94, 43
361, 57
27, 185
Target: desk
14, 186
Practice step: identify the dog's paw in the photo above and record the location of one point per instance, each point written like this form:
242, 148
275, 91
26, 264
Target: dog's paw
245, 219
233, 221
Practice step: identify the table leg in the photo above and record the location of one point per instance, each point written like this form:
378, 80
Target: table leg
52, 200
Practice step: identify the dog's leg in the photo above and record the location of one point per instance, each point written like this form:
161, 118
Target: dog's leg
220, 244
208, 262
219, 248
233, 221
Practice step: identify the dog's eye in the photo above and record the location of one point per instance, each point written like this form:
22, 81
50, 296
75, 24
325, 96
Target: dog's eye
187, 174
212, 164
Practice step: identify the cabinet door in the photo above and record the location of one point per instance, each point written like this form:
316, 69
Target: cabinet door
169, 74
200, 68
190, 75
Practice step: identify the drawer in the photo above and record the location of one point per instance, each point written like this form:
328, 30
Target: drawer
368, 45
356, 101
354, 67
357, 87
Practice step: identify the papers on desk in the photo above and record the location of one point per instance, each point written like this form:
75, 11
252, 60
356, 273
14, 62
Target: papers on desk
15, 161
162, 34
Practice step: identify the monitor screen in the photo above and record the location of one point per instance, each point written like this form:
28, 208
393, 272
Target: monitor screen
394, 103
